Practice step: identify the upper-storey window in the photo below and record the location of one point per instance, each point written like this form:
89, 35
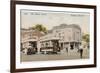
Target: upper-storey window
57, 31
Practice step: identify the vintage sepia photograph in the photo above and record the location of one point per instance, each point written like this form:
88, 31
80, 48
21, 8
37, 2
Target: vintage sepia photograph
54, 35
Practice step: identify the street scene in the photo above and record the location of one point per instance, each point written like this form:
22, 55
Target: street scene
54, 36
60, 56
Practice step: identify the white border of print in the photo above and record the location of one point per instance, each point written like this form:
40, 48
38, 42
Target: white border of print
38, 64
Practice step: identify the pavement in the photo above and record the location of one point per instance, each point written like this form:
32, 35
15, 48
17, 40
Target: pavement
63, 55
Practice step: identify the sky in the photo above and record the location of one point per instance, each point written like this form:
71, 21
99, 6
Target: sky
49, 19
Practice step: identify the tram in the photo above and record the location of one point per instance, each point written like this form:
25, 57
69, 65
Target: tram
50, 46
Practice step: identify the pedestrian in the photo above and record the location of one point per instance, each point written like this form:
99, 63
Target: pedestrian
81, 51
66, 47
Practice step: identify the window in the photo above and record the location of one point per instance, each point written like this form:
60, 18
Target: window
59, 35
47, 44
63, 38
30, 35
74, 36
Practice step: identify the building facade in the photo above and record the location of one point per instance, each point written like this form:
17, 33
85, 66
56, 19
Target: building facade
68, 36
30, 38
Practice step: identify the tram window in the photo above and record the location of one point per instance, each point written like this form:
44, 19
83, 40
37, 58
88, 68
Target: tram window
46, 44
